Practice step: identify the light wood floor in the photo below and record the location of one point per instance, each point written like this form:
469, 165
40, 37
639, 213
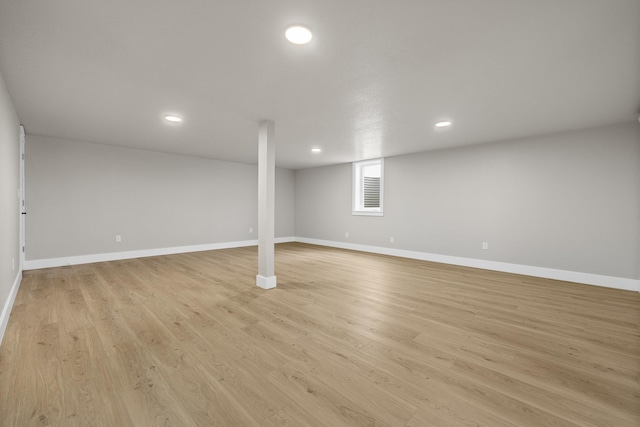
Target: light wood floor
347, 339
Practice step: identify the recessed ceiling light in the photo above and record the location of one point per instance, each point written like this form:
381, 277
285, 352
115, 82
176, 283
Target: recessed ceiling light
443, 124
173, 119
298, 34
316, 150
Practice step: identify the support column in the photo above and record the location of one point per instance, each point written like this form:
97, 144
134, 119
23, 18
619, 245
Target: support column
266, 278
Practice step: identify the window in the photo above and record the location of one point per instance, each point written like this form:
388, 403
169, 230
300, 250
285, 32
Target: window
368, 179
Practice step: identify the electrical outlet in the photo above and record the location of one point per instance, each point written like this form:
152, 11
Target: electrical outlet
13, 264
485, 245
250, 229
392, 239
346, 234
118, 238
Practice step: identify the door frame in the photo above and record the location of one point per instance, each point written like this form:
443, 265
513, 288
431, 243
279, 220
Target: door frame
22, 199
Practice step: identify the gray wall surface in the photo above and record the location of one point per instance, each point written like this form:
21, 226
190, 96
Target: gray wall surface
568, 201
285, 204
9, 185
81, 195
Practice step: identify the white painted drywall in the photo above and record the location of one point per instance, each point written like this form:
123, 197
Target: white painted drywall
285, 206
9, 202
568, 201
81, 195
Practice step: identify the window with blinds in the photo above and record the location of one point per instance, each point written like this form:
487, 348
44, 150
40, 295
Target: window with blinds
368, 187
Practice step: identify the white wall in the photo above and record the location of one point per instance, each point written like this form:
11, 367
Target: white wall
568, 201
285, 203
81, 195
9, 205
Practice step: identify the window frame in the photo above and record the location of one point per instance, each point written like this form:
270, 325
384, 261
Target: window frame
357, 188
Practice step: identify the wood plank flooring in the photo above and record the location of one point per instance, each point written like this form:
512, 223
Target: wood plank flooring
346, 339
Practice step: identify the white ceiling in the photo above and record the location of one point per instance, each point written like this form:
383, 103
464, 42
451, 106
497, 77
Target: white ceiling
375, 78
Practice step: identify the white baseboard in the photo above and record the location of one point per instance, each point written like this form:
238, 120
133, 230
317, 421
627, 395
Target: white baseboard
547, 273
114, 256
8, 305
284, 239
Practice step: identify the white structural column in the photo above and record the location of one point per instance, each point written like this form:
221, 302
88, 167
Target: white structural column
266, 205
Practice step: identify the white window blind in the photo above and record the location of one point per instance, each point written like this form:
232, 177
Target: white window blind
368, 179
371, 191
